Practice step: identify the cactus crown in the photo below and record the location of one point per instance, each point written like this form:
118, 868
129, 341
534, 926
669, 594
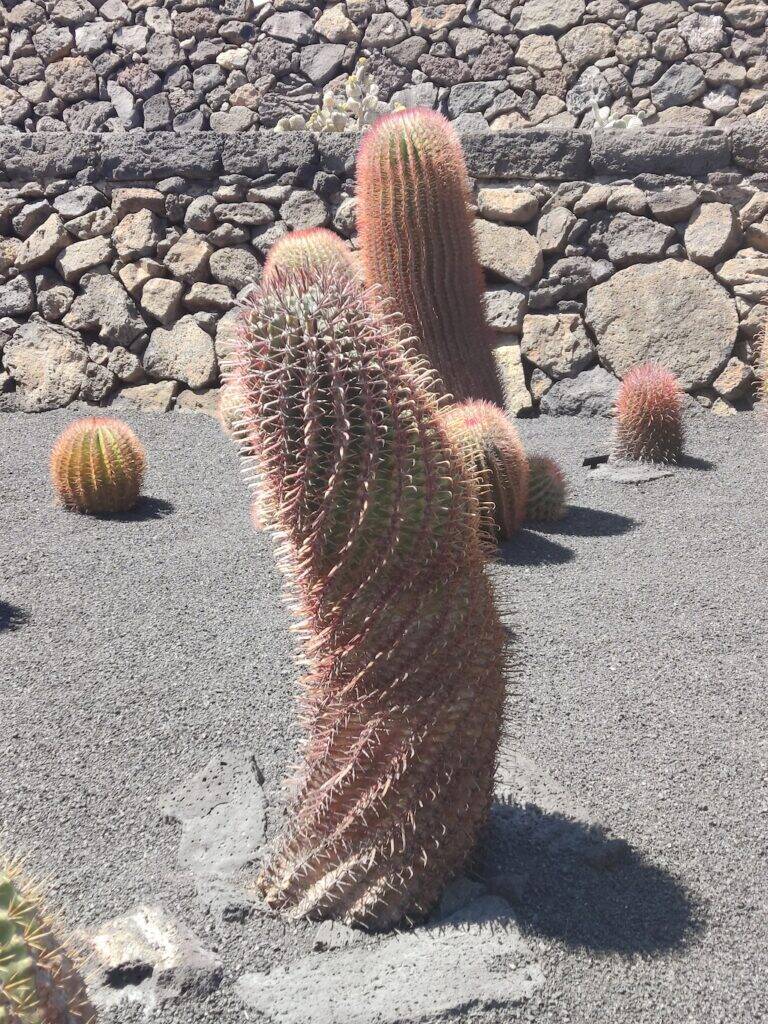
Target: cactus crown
417, 244
377, 523
39, 983
490, 442
649, 424
307, 250
97, 466
548, 489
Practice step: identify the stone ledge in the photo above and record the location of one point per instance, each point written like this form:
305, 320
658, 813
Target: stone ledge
536, 153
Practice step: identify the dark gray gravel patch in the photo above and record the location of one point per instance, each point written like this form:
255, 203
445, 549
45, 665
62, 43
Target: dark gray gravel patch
134, 651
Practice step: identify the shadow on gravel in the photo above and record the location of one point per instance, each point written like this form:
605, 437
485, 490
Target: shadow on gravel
694, 462
581, 521
12, 617
568, 881
529, 548
146, 508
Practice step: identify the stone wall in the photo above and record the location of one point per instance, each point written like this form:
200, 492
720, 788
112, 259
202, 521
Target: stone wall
235, 65
122, 257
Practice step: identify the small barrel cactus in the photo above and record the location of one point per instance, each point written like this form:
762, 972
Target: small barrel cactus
547, 490
649, 417
418, 246
762, 366
376, 517
97, 466
39, 979
492, 444
305, 250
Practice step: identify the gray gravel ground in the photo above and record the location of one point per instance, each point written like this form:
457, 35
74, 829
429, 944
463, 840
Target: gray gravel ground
131, 651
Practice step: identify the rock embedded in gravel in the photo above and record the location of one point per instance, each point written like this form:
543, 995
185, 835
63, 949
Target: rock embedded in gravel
672, 312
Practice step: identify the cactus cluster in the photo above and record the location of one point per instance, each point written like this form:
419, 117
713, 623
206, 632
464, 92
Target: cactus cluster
547, 490
649, 422
418, 245
376, 516
97, 466
39, 980
353, 111
496, 456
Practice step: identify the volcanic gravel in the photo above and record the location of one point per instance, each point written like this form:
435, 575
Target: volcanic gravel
133, 650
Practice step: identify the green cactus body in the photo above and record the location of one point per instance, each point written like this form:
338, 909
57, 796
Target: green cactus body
97, 466
417, 244
377, 520
308, 250
39, 983
497, 458
547, 491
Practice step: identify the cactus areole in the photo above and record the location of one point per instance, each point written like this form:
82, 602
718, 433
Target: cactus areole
377, 525
39, 983
417, 244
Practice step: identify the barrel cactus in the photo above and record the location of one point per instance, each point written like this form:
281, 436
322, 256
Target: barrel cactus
762, 366
547, 490
97, 466
39, 979
417, 244
649, 419
498, 461
376, 517
313, 247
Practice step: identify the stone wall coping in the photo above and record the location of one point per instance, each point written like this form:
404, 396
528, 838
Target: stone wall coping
528, 154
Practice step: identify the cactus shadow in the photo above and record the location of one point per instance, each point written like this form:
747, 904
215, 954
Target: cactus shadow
531, 548
147, 508
569, 881
582, 521
12, 617
695, 462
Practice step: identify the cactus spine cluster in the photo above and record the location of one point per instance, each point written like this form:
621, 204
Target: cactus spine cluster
308, 249
417, 245
497, 459
97, 466
39, 982
377, 522
649, 419
547, 490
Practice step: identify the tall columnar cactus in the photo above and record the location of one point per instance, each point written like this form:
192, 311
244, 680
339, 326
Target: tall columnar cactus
305, 250
97, 466
547, 491
377, 521
497, 459
39, 982
417, 245
649, 418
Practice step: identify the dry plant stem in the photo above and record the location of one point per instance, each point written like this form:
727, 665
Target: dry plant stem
376, 518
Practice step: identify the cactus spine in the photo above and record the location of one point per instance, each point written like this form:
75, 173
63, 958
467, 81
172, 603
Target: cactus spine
97, 466
497, 459
305, 250
417, 245
649, 420
547, 491
377, 521
39, 983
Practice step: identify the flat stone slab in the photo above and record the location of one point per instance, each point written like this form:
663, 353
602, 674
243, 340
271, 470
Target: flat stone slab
148, 957
474, 960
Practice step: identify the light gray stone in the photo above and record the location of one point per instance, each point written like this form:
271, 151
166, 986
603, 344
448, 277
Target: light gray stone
137, 235
216, 298
509, 367
125, 365
104, 306
712, 234
303, 209
189, 257
558, 344
636, 239
554, 228
592, 393
79, 201
147, 956
448, 969
702, 32
507, 205
184, 353
673, 313
680, 84
43, 245
585, 44
17, 297
47, 362
161, 299
510, 253
505, 309
77, 259
150, 397
550, 15
235, 267
99, 222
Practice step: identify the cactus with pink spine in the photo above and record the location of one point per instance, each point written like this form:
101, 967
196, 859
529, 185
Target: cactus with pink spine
377, 520
307, 250
547, 490
649, 416
417, 245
